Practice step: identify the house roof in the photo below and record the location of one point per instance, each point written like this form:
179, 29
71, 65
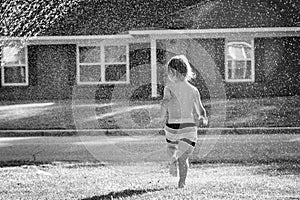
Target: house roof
238, 14
108, 17
118, 17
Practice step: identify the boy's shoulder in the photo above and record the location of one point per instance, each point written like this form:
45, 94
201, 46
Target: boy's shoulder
170, 85
192, 87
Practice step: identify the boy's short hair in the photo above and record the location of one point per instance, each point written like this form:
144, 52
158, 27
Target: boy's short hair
181, 65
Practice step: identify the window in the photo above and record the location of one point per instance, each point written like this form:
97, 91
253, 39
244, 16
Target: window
239, 66
103, 64
14, 68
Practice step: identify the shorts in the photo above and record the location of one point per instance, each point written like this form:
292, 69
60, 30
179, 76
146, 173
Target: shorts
185, 132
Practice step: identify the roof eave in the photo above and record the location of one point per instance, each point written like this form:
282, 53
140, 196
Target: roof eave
145, 35
221, 32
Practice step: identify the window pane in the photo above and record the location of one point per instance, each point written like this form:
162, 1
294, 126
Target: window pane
248, 52
115, 54
236, 53
239, 50
229, 64
239, 58
240, 65
13, 55
90, 73
14, 74
229, 69
239, 69
89, 54
115, 73
230, 74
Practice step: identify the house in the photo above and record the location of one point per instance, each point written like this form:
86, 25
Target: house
104, 50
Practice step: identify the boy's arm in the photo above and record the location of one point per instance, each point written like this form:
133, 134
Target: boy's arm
201, 112
166, 98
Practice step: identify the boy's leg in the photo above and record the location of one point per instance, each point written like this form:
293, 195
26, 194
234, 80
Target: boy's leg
172, 153
172, 150
183, 162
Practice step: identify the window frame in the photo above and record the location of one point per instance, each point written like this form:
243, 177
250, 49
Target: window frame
102, 63
252, 59
3, 66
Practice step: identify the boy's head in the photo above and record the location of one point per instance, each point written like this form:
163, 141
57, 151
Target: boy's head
179, 67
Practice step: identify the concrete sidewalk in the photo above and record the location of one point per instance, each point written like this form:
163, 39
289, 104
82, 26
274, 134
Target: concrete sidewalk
116, 149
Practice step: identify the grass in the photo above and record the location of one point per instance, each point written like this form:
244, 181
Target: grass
88, 181
265, 112
223, 166
226, 167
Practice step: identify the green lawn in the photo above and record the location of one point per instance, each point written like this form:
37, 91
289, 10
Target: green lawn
226, 166
110, 167
265, 112
90, 181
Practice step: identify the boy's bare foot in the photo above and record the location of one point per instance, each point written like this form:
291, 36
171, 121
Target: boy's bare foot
181, 184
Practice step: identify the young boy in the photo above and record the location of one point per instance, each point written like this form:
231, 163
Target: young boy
180, 101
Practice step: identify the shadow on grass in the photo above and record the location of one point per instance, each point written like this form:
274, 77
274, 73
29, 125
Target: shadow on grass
268, 161
67, 164
18, 163
280, 169
122, 194
270, 167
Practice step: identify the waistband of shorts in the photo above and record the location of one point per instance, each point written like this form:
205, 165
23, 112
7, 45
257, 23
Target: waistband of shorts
180, 125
